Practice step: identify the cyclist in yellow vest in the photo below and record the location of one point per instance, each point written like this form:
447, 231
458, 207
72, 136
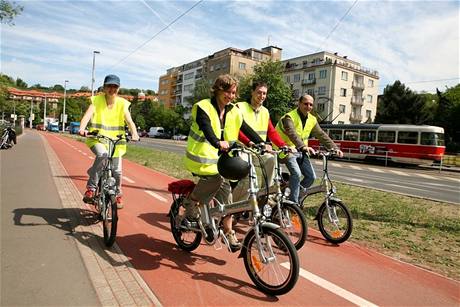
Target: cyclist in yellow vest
108, 113
216, 123
295, 128
258, 118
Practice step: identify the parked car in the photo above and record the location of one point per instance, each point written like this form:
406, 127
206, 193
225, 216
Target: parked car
74, 127
155, 132
53, 127
40, 127
179, 137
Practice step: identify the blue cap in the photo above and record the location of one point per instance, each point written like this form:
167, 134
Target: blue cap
112, 80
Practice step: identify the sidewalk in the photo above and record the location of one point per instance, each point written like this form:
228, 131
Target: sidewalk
51, 248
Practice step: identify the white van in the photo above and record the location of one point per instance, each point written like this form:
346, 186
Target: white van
156, 132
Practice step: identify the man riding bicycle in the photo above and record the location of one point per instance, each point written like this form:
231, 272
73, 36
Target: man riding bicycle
108, 113
295, 128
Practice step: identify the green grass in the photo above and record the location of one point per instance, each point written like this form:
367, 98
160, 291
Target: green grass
419, 231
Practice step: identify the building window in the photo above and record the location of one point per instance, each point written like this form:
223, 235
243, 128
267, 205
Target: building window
322, 90
342, 108
189, 76
322, 74
320, 107
343, 92
344, 75
211, 68
311, 76
296, 77
311, 92
242, 65
164, 81
288, 79
188, 87
368, 113
370, 83
369, 98
296, 94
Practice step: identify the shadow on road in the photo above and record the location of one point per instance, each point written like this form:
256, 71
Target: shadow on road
147, 253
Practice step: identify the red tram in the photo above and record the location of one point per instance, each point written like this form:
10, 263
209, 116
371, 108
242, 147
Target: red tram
414, 144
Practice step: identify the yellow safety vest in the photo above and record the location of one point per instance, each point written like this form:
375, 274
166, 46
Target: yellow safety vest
200, 156
303, 133
109, 122
257, 121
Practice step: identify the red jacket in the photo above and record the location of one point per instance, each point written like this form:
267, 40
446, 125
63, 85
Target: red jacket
272, 135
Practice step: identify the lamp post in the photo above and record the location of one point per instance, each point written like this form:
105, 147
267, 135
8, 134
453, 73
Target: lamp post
92, 79
44, 114
64, 117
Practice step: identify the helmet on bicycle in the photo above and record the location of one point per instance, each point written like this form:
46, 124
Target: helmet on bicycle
232, 167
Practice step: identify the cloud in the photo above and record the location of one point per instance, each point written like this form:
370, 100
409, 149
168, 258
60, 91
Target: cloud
53, 41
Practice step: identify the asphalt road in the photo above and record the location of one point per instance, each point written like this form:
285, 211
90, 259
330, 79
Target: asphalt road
426, 183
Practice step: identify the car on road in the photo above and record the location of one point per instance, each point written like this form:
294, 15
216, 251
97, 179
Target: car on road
179, 137
155, 132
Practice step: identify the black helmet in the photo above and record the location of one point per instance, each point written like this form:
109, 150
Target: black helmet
232, 167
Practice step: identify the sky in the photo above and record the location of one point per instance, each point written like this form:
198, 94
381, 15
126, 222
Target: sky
416, 42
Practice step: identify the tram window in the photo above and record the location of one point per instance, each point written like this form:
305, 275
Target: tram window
367, 135
386, 136
408, 137
350, 135
431, 138
335, 134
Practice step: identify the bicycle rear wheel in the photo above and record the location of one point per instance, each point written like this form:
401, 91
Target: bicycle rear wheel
186, 239
280, 272
293, 223
109, 218
335, 223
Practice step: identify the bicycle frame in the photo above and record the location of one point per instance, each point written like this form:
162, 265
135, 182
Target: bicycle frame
212, 216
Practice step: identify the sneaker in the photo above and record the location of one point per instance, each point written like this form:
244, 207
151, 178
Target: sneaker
302, 193
235, 245
119, 202
88, 198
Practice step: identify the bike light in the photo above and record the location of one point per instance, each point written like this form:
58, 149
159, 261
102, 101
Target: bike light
267, 210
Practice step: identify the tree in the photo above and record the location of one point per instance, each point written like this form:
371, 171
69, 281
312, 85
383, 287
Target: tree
279, 95
8, 11
447, 115
21, 84
400, 105
84, 89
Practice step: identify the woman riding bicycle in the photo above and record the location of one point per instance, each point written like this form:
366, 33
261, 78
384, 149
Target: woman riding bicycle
108, 113
216, 123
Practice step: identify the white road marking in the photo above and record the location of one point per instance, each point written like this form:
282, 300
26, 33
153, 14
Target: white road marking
355, 167
451, 178
128, 179
377, 170
84, 153
159, 197
356, 180
398, 172
353, 298
426, 176
92, 158
337, 165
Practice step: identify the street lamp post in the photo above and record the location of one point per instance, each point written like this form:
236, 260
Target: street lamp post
94, 64
64, 117
44, 114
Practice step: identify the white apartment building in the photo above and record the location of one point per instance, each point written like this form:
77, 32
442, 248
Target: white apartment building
344, 91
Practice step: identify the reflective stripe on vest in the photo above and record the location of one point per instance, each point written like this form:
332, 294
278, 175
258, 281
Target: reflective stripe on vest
257, 121
109, 122
201, 157
304, 134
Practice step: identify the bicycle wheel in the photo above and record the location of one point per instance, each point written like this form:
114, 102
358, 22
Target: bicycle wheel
109, 218
294, 223
280, 272
186, 239
335, 223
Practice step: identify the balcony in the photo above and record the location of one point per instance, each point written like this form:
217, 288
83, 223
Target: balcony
358, 85
358, 101
308, 81
355, 118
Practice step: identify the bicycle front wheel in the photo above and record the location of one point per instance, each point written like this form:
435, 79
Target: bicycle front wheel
335, 222
279, 272
109, 219
293, 223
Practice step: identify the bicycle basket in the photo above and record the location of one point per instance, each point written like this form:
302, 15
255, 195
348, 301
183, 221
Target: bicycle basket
181, 187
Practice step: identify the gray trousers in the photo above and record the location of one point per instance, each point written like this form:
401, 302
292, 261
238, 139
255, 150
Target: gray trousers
212, 186
101, 154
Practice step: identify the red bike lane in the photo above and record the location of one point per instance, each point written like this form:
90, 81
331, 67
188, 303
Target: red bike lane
330, 275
